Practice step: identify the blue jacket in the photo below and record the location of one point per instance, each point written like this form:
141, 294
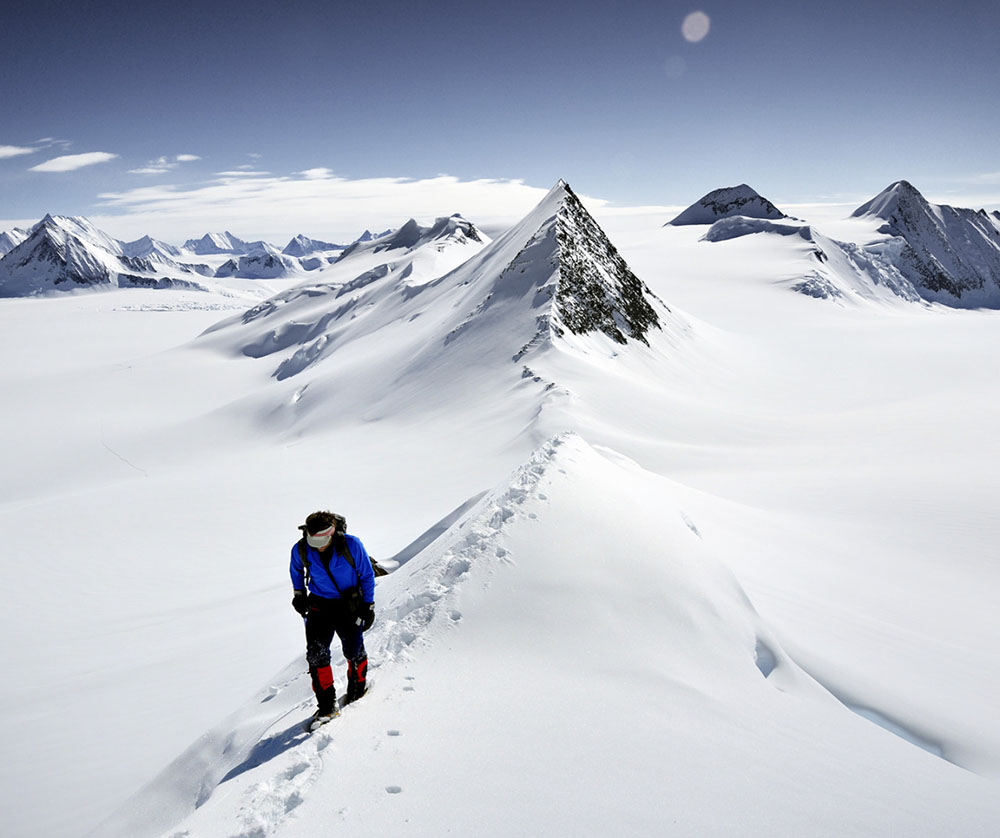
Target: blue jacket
340, 568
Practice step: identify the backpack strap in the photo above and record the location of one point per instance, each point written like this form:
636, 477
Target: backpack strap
304, 558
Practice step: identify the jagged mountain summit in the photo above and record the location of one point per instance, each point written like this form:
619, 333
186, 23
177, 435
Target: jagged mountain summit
149, 248
67, 253
368, 235
951, 254
724, 203
9, 239
413, 235
259, 264
301, 246
404, 332
216, 243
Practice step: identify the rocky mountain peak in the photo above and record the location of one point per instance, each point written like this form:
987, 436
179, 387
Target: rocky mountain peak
596, 291
726, 202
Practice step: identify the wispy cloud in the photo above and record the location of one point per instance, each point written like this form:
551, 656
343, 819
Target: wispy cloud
314, 202
71, 162
163, 165
15, 151
317, 173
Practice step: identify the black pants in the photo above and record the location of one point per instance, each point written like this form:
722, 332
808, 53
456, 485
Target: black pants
327, 617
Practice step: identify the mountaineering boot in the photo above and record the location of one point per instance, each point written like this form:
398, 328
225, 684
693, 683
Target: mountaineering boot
321, 717
357, 672
322, 684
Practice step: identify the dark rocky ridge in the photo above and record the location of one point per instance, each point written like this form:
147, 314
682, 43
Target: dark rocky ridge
597, 291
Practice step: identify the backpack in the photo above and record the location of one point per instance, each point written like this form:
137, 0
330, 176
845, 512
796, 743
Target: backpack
341, 522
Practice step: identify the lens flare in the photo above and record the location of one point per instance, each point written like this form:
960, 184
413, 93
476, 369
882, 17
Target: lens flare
695, 27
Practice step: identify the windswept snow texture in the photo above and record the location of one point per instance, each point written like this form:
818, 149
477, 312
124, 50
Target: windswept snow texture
722, 203
952, 255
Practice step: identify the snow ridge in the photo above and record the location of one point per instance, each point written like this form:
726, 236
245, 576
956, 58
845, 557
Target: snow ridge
300, 246
841, 271
214, 243
9, 239
421, 603
951, 254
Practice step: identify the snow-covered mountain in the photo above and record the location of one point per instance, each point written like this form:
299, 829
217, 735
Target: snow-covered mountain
553, 280
163, 255
830, 269
952, 255
260, 264
368, 235
300, 246
214, 243
726, 202
66, 253
413, 235
9, 239
149, 248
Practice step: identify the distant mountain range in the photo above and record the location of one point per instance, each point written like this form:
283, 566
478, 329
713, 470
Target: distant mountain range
69, 253
919, 252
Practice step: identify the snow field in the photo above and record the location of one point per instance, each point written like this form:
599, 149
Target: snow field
834, 462
509, 668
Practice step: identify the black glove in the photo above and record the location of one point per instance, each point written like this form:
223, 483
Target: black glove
300, 602
367, 616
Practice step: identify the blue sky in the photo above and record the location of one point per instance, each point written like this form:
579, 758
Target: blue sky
182, 104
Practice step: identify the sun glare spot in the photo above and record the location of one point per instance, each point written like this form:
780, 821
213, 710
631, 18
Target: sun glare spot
695, 27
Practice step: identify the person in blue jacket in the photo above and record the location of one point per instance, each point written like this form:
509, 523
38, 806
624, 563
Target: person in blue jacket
336, 564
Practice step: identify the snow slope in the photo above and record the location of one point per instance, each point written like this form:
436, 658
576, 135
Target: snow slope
830, 269
9, 239
538, 672
578, 637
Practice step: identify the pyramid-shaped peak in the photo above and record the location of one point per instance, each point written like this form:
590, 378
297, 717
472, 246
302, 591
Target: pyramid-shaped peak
562, 252
728, 201
901, 195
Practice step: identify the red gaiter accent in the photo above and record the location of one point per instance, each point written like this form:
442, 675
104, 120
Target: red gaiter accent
358, 671
325, 676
